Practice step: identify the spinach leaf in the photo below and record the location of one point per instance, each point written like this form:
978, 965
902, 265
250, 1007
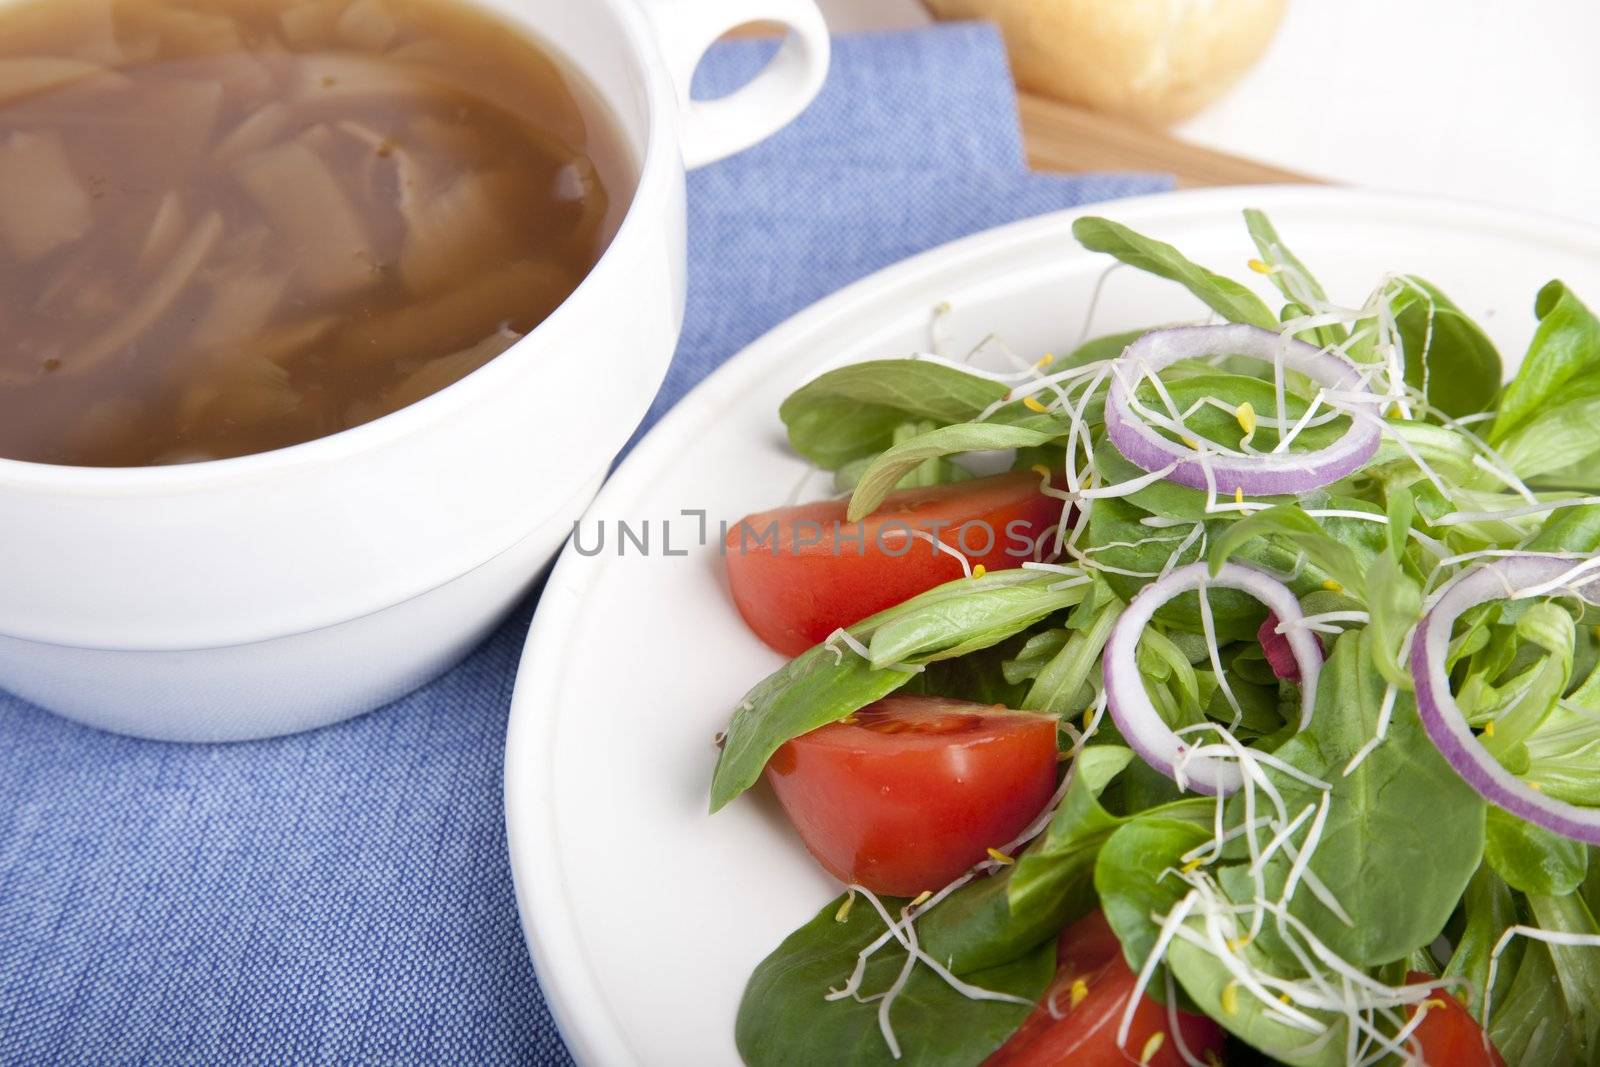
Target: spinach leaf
1531, 1027
1160, 659
819, 686
1128, 875
1488, 909
784, 1020
1057, 688
936, 471
1165, 499
1555, 440
1040, 649
1530, 858
1580, 477
1447, 355
1339, 561
1563, 754
987, 613
1276, 254
1195, 393
1114, 524
1139, 789
1260, 704
1401, 511
1282, 538
888, 469
1584, 689
1443, 449
853, 411
1321, 336
1547, 628
1065, 852
980, 676
1577, 966
1227, 298
1591, 884
1394, 604
1575, 529
828, 682
1109, 346
1373, 832
977, 926
1205, 979
1564, 353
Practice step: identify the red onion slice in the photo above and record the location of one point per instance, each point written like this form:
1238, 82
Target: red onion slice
1133, 711
1442, 717
1268, 475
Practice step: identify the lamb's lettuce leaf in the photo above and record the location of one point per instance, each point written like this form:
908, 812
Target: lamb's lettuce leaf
854, 411
784, 1020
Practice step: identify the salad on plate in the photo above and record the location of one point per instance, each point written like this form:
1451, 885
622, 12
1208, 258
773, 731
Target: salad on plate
1217, 693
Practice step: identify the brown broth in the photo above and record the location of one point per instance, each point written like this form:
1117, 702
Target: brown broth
228, 226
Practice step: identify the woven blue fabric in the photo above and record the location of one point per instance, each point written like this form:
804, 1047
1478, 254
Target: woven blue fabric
343, 896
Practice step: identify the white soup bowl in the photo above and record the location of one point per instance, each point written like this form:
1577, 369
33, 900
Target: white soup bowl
271, 593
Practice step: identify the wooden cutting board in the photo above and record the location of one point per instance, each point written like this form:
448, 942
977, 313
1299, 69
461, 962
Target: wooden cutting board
1060, 137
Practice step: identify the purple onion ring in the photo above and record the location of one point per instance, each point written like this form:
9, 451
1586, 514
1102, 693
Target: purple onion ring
1268, 475
1442, 717
1133, 711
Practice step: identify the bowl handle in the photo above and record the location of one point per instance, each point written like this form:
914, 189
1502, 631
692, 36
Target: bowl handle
713, 129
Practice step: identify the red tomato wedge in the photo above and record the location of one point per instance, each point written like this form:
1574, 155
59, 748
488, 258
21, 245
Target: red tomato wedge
1448, 1035
800, 573
909, 792
1090, 994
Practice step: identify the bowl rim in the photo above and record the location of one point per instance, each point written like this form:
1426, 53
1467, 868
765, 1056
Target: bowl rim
655, 163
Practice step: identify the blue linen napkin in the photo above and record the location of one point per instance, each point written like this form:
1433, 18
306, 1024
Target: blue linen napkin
343, 896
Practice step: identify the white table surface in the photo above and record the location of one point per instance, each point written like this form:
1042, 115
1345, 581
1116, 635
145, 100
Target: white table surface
1490, 100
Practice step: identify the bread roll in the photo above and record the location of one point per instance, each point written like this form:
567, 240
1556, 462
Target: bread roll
1152, 61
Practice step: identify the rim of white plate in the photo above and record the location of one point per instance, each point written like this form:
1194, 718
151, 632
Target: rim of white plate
575, 996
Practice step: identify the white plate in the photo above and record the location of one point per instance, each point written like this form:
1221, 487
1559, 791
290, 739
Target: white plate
645, 915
